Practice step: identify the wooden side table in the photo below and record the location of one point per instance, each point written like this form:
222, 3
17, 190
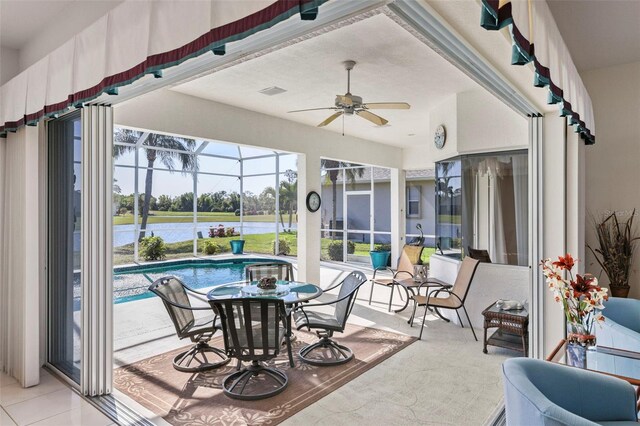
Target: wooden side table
512, 329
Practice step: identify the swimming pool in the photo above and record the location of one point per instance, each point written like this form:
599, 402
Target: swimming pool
131, 282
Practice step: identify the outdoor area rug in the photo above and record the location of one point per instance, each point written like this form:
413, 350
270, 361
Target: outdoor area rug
197, 399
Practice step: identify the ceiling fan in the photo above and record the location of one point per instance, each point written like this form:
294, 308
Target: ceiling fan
349, 104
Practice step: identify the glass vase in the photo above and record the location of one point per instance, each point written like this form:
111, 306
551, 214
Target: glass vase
579, 340
578, 334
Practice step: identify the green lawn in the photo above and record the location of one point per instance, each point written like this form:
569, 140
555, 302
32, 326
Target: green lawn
254, 243
446, 218
184, 217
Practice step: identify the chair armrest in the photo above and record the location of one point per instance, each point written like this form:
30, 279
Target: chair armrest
334, 286
526, 407
395, 275
381, 269
333, 302
444, 286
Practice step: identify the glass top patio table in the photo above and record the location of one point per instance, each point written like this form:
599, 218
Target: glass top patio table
614, 362
291, 292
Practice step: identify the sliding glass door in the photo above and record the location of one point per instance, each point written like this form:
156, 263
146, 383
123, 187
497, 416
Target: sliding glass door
64, 245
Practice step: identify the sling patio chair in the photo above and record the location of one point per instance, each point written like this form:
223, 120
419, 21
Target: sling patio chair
279, 270
328, 351
455, 296
254, 330
410, 256
175, 296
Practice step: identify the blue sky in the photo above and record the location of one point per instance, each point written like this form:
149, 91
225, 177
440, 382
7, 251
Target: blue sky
175, 183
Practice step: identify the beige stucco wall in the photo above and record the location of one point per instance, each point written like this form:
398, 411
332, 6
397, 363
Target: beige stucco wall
613, 164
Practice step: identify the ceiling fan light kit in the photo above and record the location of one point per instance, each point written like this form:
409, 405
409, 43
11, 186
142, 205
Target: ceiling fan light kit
349, 104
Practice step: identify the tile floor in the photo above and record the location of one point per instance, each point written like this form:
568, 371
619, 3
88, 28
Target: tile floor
50, 403
416, 386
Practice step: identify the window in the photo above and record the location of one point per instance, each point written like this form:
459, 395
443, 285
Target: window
482, 203
64, 244
413, 200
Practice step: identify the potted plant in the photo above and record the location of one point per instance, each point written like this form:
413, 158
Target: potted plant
582, 302
237, 246
380, 256
614, 252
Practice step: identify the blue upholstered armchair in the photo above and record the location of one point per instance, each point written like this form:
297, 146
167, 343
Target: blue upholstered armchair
621, 328
542, 393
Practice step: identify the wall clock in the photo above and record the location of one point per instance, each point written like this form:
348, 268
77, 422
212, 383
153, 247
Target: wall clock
313, 201
440, 137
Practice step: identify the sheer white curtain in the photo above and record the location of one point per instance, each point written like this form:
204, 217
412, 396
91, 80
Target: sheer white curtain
497, 237
20, 265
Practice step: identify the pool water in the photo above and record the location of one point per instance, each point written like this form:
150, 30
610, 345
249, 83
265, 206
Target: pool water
131, 283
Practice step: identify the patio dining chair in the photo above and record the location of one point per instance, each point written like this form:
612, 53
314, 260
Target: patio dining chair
328, 351
175, 297
254, 330
455, 296
280, 270
409, 257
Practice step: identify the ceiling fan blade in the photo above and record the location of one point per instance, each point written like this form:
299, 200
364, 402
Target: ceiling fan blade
386, 105
330, 119
375, 119
312, 109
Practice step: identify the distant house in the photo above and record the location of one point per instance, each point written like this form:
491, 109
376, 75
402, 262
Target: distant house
419, 205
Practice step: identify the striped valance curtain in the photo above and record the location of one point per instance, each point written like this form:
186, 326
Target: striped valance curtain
536, 39
136, 38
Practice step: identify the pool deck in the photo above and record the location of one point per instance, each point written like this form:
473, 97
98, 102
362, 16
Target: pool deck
422, 384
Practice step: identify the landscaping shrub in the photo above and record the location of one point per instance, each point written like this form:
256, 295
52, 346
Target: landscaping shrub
382, 247
219, 232
283, 246
211, 247
230, 231
152, 248
334, 249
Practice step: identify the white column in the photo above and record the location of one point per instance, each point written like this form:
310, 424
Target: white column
398, 214
576, 205
308, 223
20, 266
97, 265
554, 221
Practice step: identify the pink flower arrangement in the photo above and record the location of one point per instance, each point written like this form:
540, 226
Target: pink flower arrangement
581, 296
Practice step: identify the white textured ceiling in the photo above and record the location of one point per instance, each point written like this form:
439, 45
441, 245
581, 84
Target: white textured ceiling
599, 33
392, 65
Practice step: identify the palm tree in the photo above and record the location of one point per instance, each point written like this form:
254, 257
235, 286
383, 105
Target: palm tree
288, 199
188, 161
350, 174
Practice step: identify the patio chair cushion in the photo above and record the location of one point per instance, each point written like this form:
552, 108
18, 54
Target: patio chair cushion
316, 320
